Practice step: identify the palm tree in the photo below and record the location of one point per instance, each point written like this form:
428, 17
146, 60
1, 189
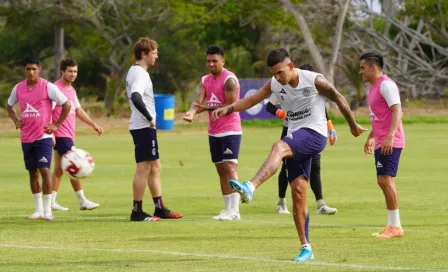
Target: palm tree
351, 70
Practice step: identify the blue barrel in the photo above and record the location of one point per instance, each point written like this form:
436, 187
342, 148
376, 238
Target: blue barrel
164, 111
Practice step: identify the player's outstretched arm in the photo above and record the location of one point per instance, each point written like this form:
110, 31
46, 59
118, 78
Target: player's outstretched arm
245, 103
329, 91
199, 100
83, 116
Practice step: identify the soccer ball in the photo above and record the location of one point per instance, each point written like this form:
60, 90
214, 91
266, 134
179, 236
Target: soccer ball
77, 163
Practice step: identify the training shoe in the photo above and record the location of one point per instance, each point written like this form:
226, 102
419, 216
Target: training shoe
304, 255
282, 209
57, 207
36, 215
142, 216
166, 214
324, 209
88, 205
48, 217
391, 232
227, 215
243, 189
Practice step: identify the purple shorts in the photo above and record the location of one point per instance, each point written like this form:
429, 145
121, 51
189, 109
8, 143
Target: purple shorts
145, 143
63, 144
225, 148
37, 154
387, 164
304, 143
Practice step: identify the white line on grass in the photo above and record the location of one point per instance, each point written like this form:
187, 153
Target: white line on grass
230, 257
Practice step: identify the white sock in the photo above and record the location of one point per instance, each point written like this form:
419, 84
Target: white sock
47, 204
53, 199
38, 202
307, 246
227, 202
235, 202
394, 217
80, 195
281, 201
320, 203
251, 186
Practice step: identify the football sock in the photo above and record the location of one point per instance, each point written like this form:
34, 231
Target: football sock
38, 202
80, 195
53, 198
320, 203
281, 201
47, 204
251, 186
235, 202
158, 202
227, 202
394, 217
137, 206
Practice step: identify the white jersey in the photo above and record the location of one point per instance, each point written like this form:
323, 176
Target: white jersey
304, 106
138, 81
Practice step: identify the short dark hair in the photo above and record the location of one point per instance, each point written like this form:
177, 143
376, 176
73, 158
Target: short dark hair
373, 58
31, 60
144, 45
307, 66
214, 49
276, 56
68, 63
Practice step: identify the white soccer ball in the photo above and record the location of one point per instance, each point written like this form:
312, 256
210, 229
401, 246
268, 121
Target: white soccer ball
77, 163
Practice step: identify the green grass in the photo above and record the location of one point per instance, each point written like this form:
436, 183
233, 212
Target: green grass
105, 240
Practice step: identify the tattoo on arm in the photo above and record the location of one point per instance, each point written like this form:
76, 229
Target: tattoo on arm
326, 89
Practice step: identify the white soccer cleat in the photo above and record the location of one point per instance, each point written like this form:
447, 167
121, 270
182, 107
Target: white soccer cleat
88, 205
57, 207
282, 209
36, 215
227, 215
326, 210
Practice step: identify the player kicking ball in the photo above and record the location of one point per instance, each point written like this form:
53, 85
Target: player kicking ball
301, 94
65, 135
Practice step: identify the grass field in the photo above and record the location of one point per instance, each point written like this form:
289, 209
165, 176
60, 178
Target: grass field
105, 240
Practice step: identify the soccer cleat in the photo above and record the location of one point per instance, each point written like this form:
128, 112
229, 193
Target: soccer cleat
227, 215
142, 216
36, 215
57, 207
391, 232
243, 189
166, 214
88, 205
48, 217
304, 255
326, 210
282, 209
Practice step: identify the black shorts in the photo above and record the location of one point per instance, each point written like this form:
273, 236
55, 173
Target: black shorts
145, 144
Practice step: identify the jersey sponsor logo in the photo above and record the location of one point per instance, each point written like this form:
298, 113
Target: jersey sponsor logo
214, 101
30, 112
373, 115
298, 115
282, 91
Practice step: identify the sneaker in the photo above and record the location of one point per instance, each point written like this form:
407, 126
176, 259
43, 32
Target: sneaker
304, 255
48, 217
227, 215
57, 207
282, 209
166, 214
243, 189
142, 216
326, 210
88, 205
36, 215
391, 232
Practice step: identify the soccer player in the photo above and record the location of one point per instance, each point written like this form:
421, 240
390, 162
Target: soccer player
142, 128
301, 94
65, 135
315, 181
220, 87
387, 134
35, 96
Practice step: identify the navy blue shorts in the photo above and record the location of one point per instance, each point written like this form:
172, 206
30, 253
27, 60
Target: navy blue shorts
145, 144
387, 164
38, 154
225, 148
304, 143
63, 144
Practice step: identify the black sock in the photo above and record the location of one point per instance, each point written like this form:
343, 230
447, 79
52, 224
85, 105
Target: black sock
315, 181
158, 202
137, 206
282, 182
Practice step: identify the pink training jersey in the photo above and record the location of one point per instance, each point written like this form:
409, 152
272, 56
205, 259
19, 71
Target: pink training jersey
67, 129
214, 90
381, 114
35, 109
